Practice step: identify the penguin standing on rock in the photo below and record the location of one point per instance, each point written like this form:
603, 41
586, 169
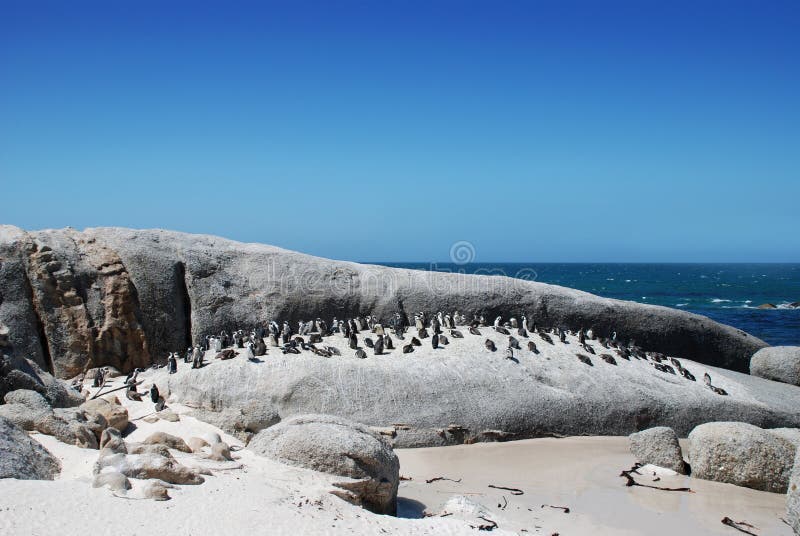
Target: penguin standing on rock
154, 394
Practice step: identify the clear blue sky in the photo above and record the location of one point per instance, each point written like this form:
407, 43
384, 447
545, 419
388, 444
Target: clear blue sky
387, 130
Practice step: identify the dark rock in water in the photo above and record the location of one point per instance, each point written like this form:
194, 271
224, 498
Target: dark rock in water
339, 447
124, 298
767, 306
778, 363
23, 458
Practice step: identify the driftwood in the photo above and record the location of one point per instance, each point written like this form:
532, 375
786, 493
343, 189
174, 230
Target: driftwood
487, 527
738, 525
438, 478
631, 482
513, 491
565, 508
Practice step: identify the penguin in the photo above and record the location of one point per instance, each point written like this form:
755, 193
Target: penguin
581, 337
513, 343
490, 345
719, 391
99, 377
408, 348
624, 353
608, 358
132, 394
260, 348
497, 322
415, 341
353, 341
197, 358
378, 346
524, 322
510, 353
585, 359
522, 332
333, 350
368, 342
188, 357
448, 322
474, 330
545, 337
435, 341
418, 322
443, 340
387, 342
172, 363
562, 335
456, 334
532, 347
707, 379
588, 349
154, 394
502, 330
361, 354
676, 363
688, 375
423, 333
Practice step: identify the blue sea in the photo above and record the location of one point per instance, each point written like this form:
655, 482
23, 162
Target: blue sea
727, 293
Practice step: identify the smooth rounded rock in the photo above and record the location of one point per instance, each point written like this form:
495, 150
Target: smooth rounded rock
340, 447
777, 363
741, 454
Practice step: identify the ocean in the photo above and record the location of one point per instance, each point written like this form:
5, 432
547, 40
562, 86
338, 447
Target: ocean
727, 293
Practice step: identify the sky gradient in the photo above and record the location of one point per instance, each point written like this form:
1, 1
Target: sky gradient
386, 130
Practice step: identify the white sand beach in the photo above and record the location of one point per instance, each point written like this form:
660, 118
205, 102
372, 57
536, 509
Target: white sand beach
253, 495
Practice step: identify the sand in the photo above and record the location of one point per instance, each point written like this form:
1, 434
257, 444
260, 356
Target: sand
256, 495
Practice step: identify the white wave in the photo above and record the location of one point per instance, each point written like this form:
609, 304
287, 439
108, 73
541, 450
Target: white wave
681, 304
718, 300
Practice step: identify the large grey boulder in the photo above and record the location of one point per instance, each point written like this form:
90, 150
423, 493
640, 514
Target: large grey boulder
741, 454
466, 394
30, 411
793, 496
19, 373
125, 298
23, 458
658, 446
778, 363
340, 447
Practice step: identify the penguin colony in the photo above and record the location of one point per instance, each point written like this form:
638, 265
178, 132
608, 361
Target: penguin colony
366, 335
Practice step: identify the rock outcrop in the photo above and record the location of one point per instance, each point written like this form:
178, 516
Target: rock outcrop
19, 373
340, 447
741, 454
23, 458
778, 363
793, 497
465, 393
124, 298
658, 446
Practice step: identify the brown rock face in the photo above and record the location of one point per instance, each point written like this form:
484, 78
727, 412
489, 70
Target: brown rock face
88, 311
